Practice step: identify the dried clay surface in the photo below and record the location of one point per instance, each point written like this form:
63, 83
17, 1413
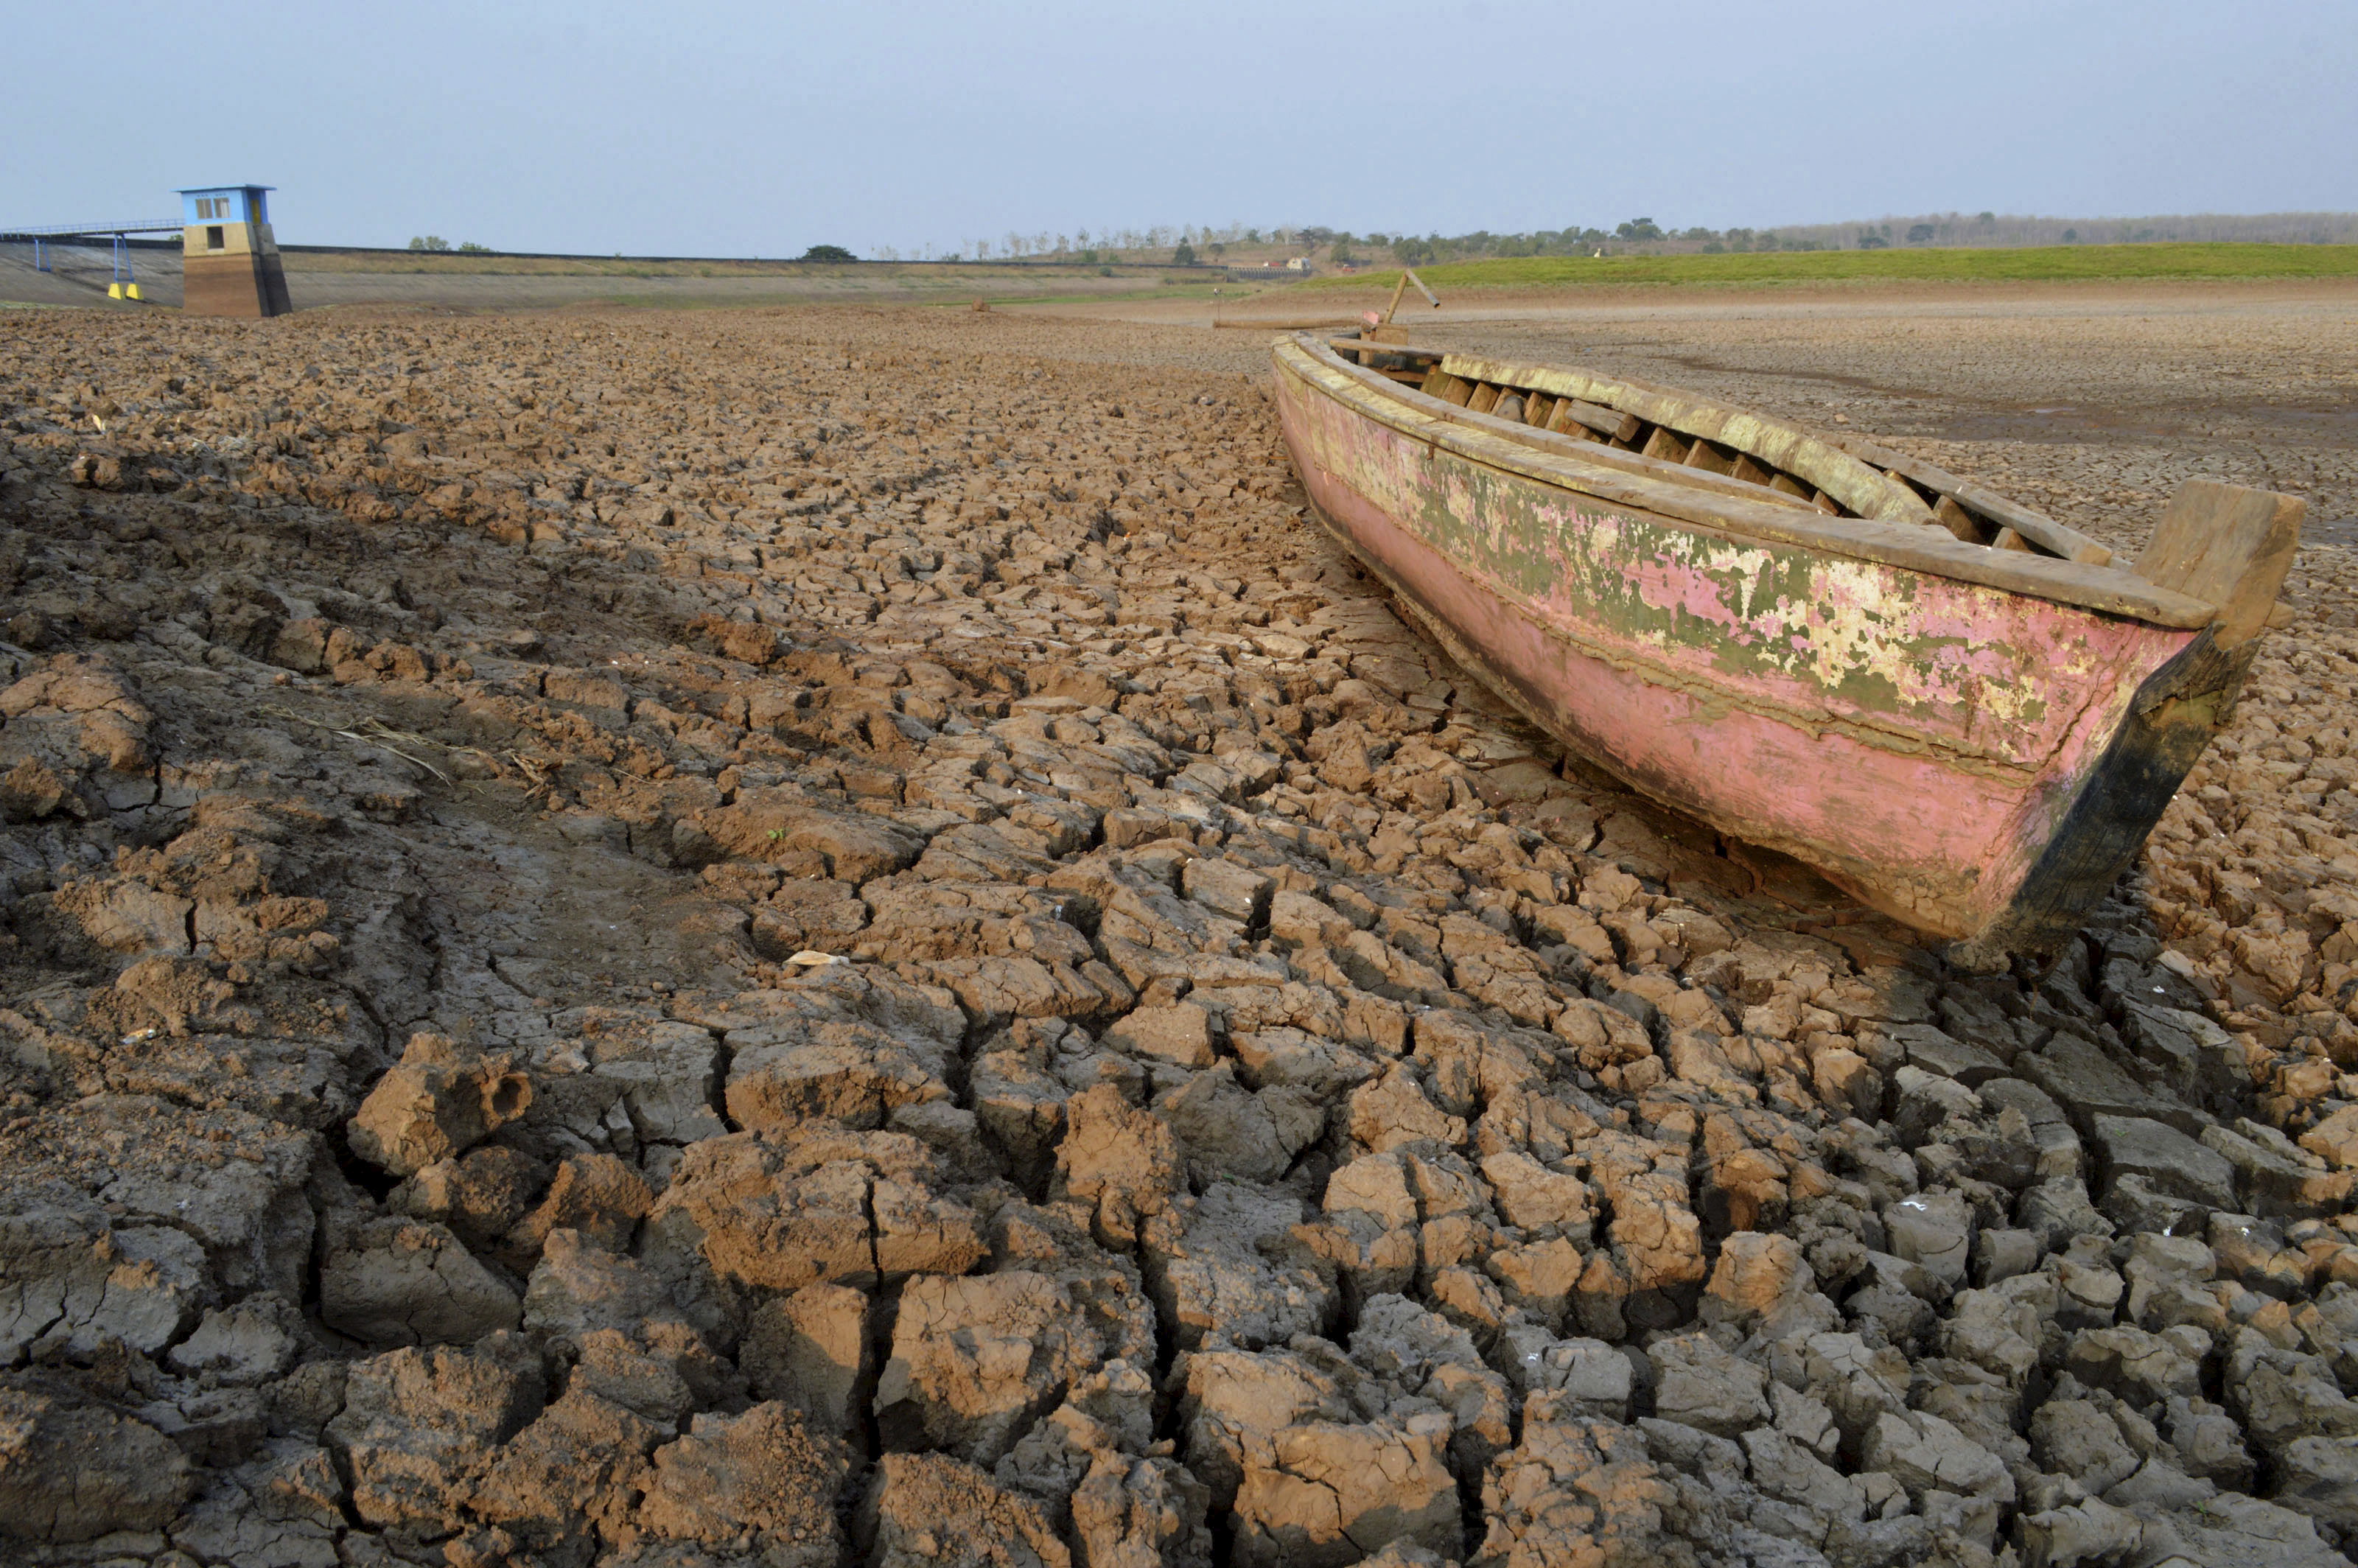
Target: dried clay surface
838, 937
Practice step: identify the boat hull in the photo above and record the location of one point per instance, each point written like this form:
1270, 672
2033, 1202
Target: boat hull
1979, 763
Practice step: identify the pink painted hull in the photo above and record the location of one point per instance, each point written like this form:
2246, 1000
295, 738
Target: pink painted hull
1922, 741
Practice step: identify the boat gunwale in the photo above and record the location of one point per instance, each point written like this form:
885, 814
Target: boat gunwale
2106, 589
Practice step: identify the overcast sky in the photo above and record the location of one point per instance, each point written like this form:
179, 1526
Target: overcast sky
719, 128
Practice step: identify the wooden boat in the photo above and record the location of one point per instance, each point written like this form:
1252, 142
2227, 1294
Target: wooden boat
1963, 712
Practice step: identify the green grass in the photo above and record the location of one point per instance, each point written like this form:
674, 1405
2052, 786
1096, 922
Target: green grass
1145, 289
2043, 264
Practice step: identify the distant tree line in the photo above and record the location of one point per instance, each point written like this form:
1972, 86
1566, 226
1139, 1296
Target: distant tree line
1187, 244
2009, 229
1182, 245
1644, 236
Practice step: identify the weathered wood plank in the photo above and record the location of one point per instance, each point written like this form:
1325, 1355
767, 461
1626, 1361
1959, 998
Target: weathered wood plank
1957, 520
2036, 526
1588, 445
1854, 483
1438, 382
1703, 455
1370, 345
1922, 493
2229, 545
1609, 423
1667, 444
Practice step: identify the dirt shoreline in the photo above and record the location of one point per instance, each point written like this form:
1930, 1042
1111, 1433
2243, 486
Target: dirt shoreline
1268, 1106
79, 274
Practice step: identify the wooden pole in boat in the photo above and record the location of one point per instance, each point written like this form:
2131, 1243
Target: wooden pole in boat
1407, 277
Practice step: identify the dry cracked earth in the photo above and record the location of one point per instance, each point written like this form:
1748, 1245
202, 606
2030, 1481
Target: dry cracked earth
812, 938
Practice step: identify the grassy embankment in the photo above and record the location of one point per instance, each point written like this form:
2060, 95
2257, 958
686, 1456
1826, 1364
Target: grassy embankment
2044, 264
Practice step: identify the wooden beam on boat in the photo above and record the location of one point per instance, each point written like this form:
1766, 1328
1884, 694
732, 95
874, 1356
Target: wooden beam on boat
1957, 520
1610, 424
1667, 444
1457, 391
1450, 405
2229, 545
1398, 361
2045, 532
1735, 510
1710, 459
2038, 527
1370, 345
1856, 486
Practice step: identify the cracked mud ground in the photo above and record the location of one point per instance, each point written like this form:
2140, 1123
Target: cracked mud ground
1267, 1107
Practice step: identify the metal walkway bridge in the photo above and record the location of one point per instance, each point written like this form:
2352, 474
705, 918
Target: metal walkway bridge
95, 230
124, 285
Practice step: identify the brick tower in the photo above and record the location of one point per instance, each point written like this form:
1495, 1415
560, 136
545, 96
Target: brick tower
231, 260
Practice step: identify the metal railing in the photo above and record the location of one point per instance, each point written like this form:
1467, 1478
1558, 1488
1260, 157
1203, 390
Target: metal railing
137, 226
